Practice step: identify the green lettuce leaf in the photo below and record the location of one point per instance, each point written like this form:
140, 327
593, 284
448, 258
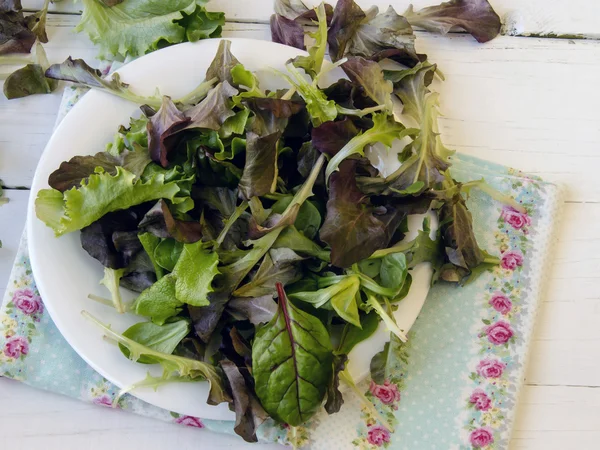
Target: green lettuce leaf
194, 272
136, 27
158, 302
313, 63
101, 193
162, 338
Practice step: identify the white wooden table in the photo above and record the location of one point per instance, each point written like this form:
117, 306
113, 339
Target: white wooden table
530, 102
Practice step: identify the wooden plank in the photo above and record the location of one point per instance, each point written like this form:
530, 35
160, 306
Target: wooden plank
522, 17
54, 422
12, 218
521, 102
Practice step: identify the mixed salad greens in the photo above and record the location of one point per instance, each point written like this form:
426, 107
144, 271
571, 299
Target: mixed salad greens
263, 243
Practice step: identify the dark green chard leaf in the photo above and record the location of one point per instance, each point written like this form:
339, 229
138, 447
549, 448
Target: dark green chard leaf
278, 266
369, 76
249, 414
257, 310
77, 71
162, 125
162, 338
287, 32
352, 335
291, 238
291, 363
475, 16
223, 62
351, 228
173, 366
260, 172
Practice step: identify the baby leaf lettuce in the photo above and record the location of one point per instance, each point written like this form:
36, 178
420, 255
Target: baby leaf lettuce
257, 310
313, 63
194, 273
351, 227
287, 31
347, 18
292, 363
172, 365
369, 75
260, 171
101, 193
222, 63
15, 36
475, 16
167, 120
159, 302
136, 27
162, 338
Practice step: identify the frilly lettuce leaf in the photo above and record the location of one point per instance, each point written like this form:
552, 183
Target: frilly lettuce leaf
136, 27
475, 16
101, 193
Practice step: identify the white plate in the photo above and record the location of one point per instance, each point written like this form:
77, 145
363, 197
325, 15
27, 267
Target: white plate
66, 274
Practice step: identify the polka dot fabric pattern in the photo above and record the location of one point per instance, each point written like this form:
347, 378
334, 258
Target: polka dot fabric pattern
455, 385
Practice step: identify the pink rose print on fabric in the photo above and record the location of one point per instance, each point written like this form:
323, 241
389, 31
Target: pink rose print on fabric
501, 303
104, 400
378, 435
499, 333
387, 392
189, 421
481, 437
26, 301
512, 259
490, 368
514, 218
480, 400
16, 346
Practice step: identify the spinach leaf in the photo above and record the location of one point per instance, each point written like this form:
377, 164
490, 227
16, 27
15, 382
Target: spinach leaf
150, 242
162, 338
291, 363
291, 238
352, 335
308, 220
167, 252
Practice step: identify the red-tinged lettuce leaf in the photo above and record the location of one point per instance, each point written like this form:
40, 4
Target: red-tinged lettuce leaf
222, 64
387, 35
214, 110
351, 227
331, 137
313, 63
465, 260
369, 76
27, 81
297, 10
271, 115
36, 22
347, 17
15, 36
71, 173
257, 310
286, 31
260, 171
167, 120
412, 86
104, 239
160, 222
477, 17
206, 318
335, 400
249, 413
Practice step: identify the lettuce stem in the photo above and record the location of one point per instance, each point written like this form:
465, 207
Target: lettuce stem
495, 194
